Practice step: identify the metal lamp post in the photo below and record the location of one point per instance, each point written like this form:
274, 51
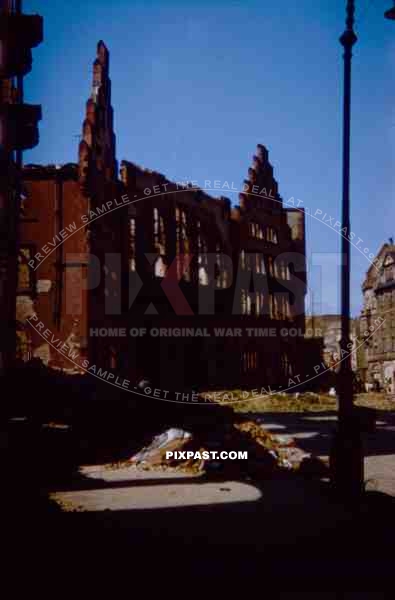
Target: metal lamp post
347, 471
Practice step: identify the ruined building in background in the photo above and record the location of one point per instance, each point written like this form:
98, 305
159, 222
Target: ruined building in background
212, 293
243, 283
328, 328
19, 33
378, 313
59, 240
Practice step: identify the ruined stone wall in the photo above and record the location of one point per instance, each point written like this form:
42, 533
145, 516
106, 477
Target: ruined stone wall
240, 263
170, 257
72, 289
98, 180
52, 261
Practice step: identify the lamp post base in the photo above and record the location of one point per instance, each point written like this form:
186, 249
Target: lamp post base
346, 461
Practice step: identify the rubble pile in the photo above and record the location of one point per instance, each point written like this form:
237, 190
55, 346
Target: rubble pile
267, 453
281, 447
154, 455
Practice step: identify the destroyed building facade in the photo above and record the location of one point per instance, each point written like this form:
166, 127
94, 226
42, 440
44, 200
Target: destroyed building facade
238, 274
206, 291
61, 277
328, 327
377, 319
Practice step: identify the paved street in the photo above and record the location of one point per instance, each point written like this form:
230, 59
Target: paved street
130, 488
118, 520
313, 433
284, 531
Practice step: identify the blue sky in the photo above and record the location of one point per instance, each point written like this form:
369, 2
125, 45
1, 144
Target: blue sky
197, 84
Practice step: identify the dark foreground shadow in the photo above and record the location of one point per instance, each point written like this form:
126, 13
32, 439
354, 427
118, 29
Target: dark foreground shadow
313, 545
296, 536
314, 430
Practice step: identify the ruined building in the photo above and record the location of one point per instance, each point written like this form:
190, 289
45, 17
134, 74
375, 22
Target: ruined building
378, 319
328, 328
200, 291
62, 248
19, 33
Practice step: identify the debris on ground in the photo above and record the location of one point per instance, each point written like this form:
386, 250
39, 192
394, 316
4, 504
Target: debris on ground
281, 447
172, 440
155, 454
257, 433
54, 425
267, 452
